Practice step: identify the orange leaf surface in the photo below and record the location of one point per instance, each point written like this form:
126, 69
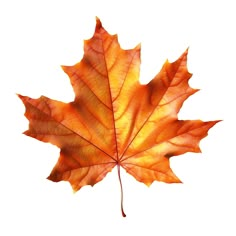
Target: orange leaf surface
114, 120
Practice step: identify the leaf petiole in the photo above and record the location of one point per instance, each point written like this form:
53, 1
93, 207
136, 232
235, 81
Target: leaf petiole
121, 189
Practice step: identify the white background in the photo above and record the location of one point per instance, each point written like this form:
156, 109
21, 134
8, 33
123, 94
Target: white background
37, 37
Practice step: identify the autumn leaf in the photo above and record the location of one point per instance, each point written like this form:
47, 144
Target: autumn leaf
114, 120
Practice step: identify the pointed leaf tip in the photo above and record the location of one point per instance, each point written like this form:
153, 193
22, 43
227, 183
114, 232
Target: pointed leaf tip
98, 23
185, 54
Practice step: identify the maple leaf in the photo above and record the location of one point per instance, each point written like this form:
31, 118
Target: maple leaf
114, 120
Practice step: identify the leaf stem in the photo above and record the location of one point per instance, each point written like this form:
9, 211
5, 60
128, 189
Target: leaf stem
121, 189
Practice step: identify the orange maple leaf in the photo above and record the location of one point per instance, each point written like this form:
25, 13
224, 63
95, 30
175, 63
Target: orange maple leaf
114, 120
